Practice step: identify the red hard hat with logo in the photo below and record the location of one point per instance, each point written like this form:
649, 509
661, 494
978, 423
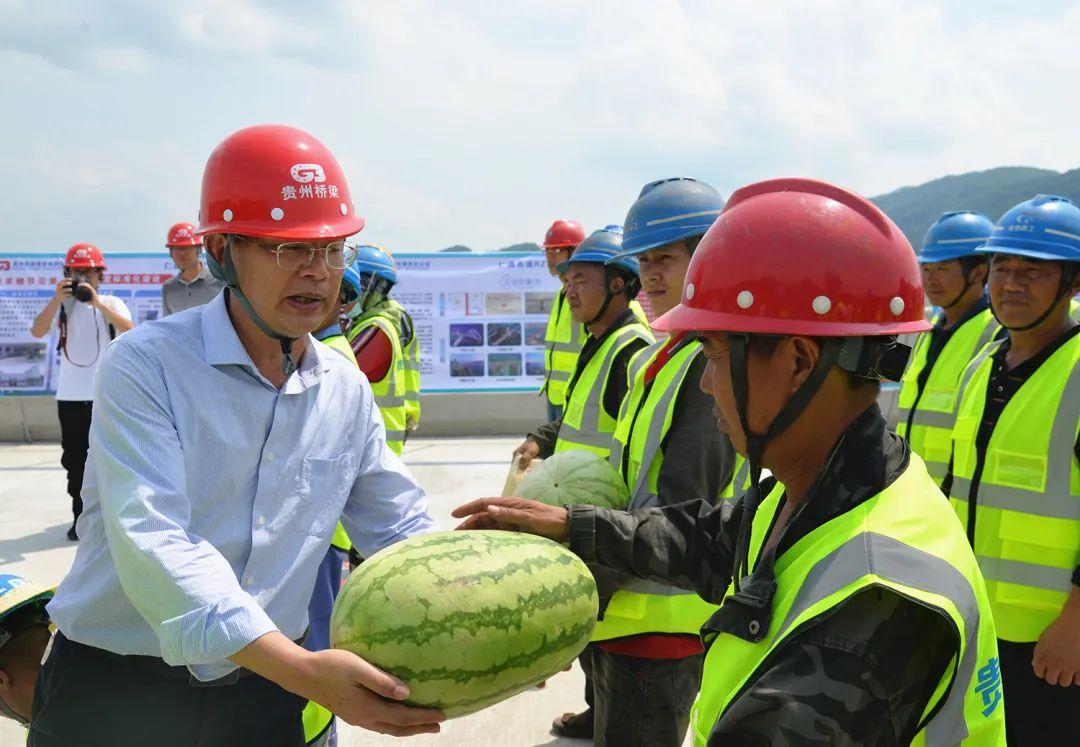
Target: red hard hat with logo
183, 234
84, 257
564, 233
801, 257
276, 181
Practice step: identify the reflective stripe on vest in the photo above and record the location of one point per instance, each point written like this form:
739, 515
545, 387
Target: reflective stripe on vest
586, 424
901, 539
932, 410
562, 344
1027, 512
390, 391
644, 420
411, 356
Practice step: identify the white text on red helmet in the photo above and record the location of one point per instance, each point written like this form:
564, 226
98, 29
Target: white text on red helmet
307, 172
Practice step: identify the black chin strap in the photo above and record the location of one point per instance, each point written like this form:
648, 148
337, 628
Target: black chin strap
967, 286
738, 346
227, 273
607, 299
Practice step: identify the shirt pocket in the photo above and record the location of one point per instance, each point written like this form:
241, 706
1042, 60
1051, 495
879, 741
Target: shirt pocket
323, 487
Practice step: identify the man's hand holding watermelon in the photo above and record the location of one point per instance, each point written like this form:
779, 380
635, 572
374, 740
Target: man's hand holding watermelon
515, 514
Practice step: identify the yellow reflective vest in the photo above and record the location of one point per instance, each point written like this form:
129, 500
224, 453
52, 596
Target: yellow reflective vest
390, 392
644, 421
585, 423
562, 343
411, 354
904, 539
1027, 501
926, 415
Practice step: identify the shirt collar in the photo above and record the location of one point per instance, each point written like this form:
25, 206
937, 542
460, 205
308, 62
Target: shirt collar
332, 330
223, 348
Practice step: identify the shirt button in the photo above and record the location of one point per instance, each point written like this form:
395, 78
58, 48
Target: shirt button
270, 457
262, 520
249, 581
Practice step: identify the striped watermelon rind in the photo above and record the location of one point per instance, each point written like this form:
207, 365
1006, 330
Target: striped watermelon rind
575, 476
467, 619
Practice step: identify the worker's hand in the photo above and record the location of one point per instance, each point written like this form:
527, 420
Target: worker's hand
63, 289
1057, 654
515, 514
363, 695
528, 451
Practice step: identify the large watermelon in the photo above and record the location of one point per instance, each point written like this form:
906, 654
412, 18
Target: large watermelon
467, 619
575, 476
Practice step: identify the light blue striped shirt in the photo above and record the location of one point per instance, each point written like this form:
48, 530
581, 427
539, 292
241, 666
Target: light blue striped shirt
210, 496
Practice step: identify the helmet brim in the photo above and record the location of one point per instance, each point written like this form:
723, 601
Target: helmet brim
684, 318
341, 229
1019, 251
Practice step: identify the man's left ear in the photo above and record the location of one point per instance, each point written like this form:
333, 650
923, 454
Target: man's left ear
214, 244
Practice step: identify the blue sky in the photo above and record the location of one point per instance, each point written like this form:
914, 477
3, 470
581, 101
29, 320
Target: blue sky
479, 122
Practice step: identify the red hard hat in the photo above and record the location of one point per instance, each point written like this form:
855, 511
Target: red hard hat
183, 234
84, 257
562, 233
801, 257
278, 182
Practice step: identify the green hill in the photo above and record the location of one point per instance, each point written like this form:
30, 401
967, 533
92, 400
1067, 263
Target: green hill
991, 192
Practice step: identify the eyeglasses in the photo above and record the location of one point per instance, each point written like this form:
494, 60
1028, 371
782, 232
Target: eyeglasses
294, 255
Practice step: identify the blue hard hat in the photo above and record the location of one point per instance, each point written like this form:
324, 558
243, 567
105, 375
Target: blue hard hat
350, 281
1044, 227
376, 261
955, 235
602, 247
669, 210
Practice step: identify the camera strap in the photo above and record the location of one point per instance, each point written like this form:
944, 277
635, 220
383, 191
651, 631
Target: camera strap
61, 343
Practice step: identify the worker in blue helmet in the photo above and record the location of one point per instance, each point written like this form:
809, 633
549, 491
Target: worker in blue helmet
599, 294
383, 339
668, 450
1015, 482
954, 276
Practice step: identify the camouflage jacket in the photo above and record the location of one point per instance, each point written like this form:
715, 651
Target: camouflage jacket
861, 675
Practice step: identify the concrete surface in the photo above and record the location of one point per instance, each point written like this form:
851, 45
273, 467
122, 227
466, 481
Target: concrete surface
35, 514
33, 418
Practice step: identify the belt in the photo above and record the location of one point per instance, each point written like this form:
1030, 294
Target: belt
150, 664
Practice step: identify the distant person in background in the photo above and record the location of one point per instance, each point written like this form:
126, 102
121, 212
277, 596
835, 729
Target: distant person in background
564, 337
193, 285
87, 322
24, 634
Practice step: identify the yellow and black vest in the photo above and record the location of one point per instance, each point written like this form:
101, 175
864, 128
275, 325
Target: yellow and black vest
644, 420
1027, 509
585, 423
926, 416
904, 539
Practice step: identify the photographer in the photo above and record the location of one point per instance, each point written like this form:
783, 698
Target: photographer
87, 322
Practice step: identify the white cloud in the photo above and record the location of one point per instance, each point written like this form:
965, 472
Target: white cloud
478, 123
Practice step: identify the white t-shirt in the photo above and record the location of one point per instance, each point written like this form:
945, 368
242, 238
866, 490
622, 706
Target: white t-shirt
87, 336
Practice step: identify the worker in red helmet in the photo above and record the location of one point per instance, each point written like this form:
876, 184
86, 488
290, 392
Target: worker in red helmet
852, 610
85, 321
564, 337
226, 445
193, 284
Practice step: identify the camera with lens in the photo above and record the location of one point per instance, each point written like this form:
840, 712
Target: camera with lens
77, 290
